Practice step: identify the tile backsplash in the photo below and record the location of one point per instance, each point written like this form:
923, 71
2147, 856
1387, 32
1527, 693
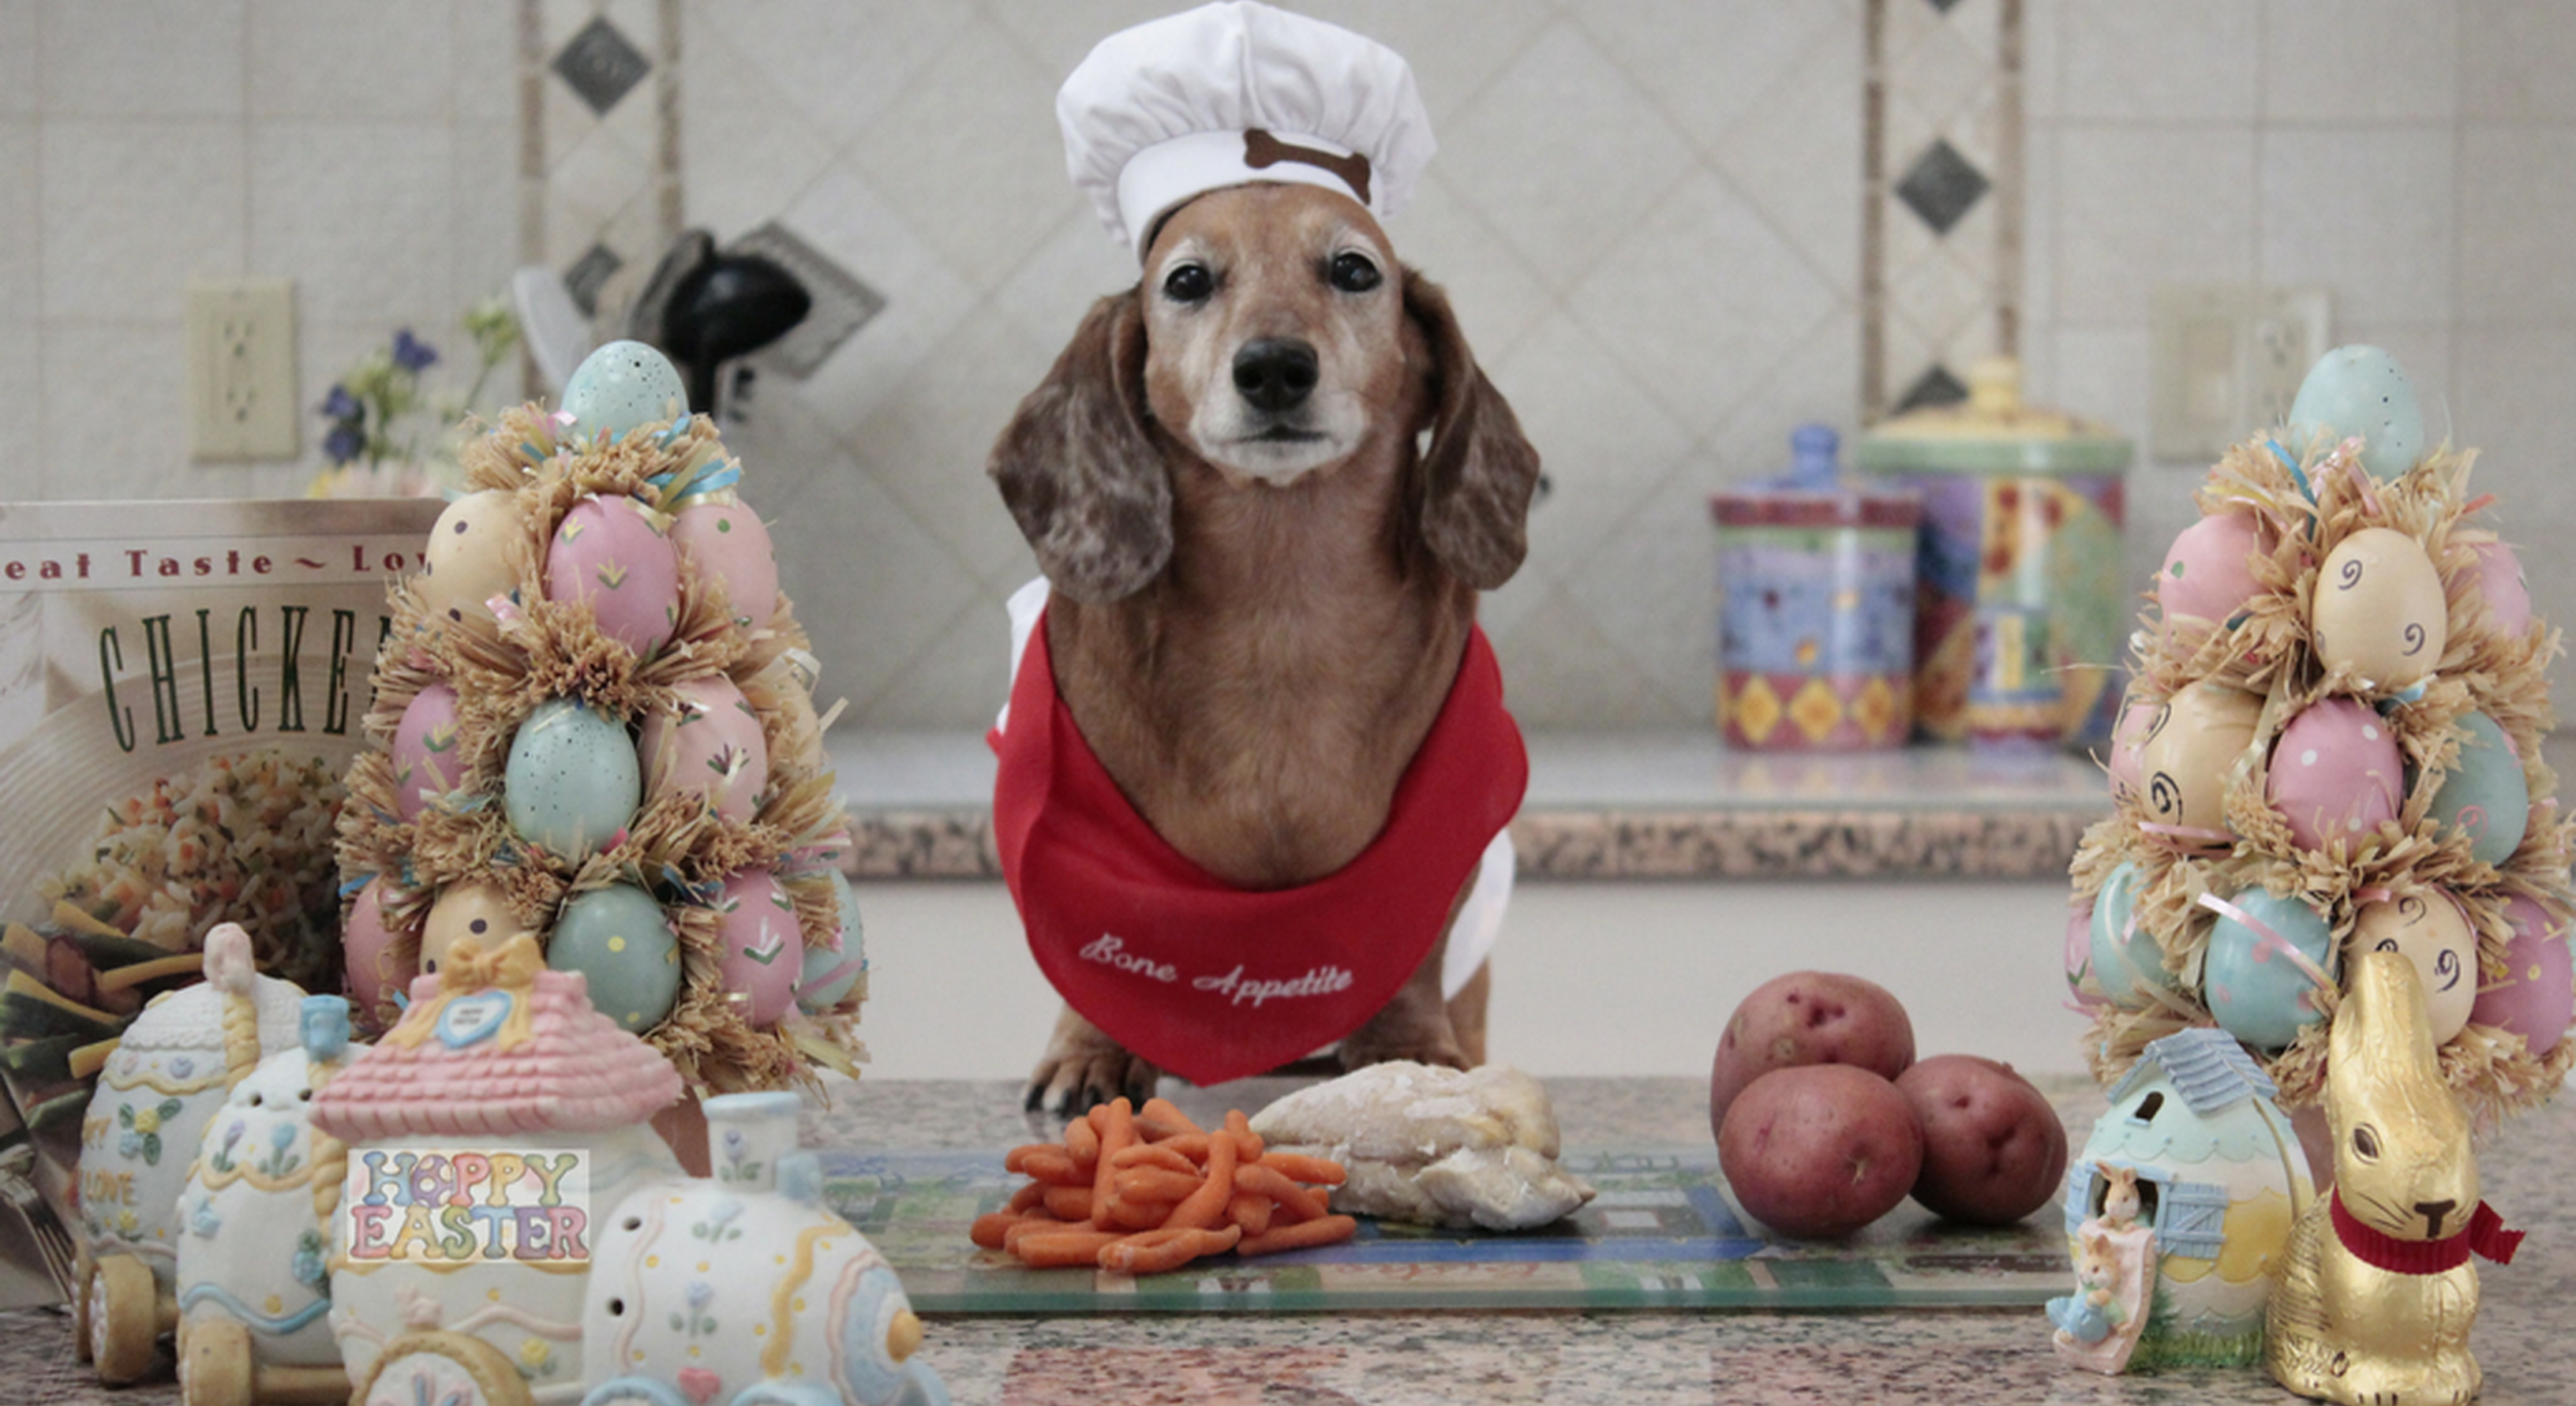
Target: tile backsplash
1649, 212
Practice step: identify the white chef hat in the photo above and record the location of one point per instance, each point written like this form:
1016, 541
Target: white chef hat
1232, 93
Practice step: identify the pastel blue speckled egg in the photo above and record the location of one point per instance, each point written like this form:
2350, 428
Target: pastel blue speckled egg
621, 386
619, 940
2125, 961
2485, 792
829, 975
2361, 390
2257, 992
573, 780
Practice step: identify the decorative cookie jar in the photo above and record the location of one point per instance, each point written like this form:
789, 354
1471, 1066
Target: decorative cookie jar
2022, 609
170, 1072
1815, 626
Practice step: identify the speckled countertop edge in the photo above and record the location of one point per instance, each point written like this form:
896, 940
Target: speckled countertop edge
1615, 843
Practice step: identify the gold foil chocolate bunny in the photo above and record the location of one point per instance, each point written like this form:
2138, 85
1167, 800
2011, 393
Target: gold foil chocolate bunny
2377, 1295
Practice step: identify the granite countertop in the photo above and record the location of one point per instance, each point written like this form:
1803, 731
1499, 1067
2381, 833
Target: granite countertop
1601, 806
1625, 1357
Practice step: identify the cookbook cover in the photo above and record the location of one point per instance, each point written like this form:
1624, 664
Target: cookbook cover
182, 686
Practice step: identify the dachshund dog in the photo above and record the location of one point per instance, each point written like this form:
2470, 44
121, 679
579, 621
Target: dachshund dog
1262, 583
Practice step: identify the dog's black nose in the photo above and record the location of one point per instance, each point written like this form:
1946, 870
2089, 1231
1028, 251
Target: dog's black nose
1275, 373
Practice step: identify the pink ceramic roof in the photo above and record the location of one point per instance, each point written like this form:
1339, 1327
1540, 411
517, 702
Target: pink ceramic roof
580, 1073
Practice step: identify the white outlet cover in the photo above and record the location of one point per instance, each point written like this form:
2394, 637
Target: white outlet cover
242, 401
2226, 361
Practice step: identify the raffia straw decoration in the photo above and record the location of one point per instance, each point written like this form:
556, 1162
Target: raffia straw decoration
2269, 651
676, 847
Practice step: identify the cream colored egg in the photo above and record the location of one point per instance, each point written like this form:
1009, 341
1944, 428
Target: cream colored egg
2428, 928
468, 558
2190, 753
473, 910
2379, 611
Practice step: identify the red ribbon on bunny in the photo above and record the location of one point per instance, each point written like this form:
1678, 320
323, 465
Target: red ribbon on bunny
2485, 1236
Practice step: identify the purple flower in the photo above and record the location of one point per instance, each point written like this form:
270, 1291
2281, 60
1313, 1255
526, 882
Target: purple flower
411, 353
340, 405
343, 444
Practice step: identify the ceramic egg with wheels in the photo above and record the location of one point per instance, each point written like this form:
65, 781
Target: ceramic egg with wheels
694, 1284
170, 1072
254, 1269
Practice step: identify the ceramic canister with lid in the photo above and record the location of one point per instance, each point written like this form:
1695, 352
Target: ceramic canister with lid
2021, 612
1816, 586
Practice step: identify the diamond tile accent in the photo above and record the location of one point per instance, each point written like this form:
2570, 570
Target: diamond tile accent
1816, 710
1757, 710
589, 274
601, 65
1934, 387
1941, 186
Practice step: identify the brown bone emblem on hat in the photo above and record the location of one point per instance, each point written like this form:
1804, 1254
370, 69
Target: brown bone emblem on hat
1260, 149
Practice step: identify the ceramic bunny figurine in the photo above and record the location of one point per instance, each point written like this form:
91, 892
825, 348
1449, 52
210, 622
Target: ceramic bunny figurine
2377, 1294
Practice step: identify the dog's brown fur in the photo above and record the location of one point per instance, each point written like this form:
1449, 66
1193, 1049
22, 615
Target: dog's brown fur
1254, 645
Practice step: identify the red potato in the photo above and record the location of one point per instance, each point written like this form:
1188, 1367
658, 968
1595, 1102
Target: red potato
1993, 1149
1817, 1151
1809, 1018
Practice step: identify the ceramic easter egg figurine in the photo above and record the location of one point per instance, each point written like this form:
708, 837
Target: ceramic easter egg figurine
254, 1257
169, 1074
2195, 1152
2377, 1294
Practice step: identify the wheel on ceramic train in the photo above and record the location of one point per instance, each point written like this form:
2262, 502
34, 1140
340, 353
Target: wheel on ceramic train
124, 1319
215, 1363
445, 1368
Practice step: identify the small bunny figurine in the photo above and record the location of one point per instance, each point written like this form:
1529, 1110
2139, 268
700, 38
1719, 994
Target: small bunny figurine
2377, 1295
2120, 1203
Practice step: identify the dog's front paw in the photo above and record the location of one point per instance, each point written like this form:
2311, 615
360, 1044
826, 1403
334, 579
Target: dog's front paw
1084, 1067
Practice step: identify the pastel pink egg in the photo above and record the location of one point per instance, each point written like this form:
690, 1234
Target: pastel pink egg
426, 762
711, 746
607, 552
2079, 950
2536, 997
2128, 738
367, 946
2501, 584
2205, 576
727, 542
764, 950
2336, 771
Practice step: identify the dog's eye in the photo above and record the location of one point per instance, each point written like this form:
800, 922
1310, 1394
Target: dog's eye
1353, 273
1188, 283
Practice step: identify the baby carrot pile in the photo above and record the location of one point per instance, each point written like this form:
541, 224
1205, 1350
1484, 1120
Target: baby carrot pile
1142, 1191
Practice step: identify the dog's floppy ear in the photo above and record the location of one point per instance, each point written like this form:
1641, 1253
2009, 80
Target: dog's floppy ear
1079, 472
1476, 479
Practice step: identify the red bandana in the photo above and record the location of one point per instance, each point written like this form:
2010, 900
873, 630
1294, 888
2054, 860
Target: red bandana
1213, 982
2485, 1235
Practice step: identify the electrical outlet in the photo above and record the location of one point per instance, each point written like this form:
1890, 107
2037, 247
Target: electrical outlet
241, 369
2227, 361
